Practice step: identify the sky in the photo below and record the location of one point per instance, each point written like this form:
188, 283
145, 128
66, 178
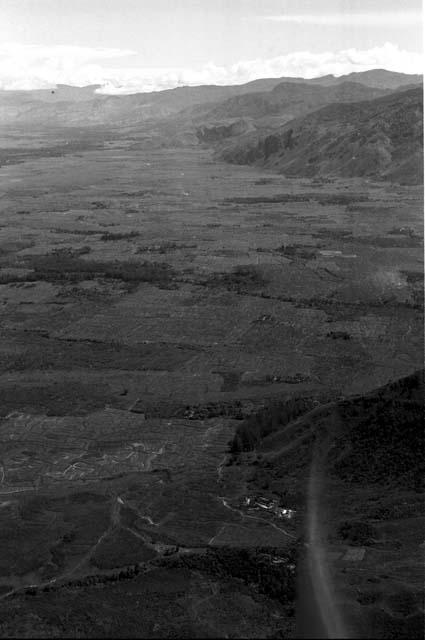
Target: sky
144, 45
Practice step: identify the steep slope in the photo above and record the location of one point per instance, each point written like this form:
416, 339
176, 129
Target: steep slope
372, 438
265, 112
381, 138
376, 438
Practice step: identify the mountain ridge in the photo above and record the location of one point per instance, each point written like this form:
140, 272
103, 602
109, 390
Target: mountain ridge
67, 106
380, 138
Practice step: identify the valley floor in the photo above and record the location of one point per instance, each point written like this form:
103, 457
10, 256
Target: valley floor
150, 301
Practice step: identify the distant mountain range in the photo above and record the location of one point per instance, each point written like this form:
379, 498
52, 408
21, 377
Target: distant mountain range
367, 123
68, 106
378, 78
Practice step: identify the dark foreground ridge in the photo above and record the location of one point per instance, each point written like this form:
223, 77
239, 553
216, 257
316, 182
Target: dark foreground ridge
377, 438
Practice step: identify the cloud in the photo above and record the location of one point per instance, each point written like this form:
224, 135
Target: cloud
37, 67
374, 19
42, 67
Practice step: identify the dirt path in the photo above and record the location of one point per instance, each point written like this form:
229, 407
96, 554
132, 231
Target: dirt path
245, 516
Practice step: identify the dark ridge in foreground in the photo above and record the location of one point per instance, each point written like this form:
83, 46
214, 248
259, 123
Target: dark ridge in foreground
375, 438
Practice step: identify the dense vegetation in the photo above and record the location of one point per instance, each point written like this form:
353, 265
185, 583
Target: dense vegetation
386, 441
253, 565
65, 265
268, 420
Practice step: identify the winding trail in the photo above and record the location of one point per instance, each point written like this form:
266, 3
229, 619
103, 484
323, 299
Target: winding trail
220, 467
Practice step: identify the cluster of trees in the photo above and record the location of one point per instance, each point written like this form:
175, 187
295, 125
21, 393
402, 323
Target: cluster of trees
127, 573
268, 420
242, 278
67, 266
109, 235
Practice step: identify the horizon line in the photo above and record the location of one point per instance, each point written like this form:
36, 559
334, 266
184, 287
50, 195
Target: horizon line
97, 86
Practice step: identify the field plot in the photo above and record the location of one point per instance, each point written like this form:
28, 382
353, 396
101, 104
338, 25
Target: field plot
149, 300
